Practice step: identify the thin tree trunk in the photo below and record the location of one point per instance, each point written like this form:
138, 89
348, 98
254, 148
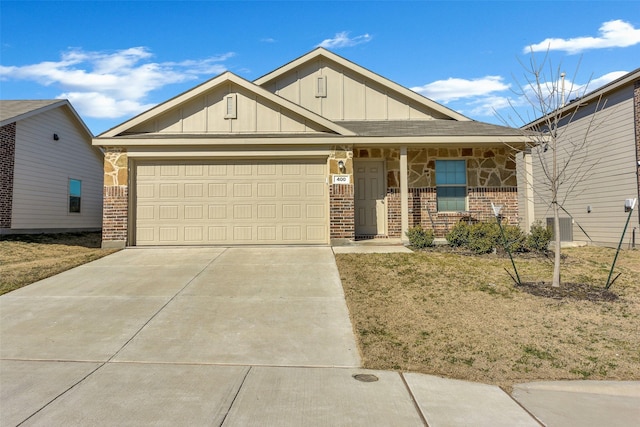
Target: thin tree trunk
556, 259
556, 213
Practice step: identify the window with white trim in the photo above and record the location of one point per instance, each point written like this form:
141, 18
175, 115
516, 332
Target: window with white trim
451, 185
75, 195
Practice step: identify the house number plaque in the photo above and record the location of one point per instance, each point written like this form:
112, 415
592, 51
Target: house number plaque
342, 179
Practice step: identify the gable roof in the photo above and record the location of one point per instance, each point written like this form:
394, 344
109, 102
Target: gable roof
16, 110
221, 79
324, 53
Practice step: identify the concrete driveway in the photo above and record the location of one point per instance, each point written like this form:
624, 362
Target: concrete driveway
123, 318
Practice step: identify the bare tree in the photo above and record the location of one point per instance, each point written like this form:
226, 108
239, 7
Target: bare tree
562, 155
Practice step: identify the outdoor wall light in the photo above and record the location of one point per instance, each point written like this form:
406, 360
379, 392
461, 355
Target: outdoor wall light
55, 137
341, 166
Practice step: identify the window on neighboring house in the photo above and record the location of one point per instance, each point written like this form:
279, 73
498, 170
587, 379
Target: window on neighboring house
451, 185
75, 194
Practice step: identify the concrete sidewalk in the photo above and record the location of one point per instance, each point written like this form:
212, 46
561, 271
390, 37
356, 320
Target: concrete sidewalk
234, 337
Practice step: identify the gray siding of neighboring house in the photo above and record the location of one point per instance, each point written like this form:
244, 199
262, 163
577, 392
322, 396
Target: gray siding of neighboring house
609, 158
42, 171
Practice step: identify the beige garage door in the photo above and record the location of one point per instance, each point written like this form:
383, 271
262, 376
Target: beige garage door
231, 202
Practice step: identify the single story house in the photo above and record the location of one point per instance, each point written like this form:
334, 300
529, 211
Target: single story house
318, 151
51, 175
606, 169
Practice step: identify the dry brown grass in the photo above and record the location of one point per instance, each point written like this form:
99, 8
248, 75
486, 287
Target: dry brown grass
462, 317
26, 259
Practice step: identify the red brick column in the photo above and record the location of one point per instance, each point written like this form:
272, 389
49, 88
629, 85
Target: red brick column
341, 211
7, 162
115, 216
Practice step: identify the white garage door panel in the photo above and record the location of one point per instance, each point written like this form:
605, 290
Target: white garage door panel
242, 202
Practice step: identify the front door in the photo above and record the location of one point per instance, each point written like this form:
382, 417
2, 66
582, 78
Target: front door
370, 189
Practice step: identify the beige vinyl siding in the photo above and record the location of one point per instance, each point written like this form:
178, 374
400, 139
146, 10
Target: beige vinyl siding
206, 114
43, 168
612, 179
350, 96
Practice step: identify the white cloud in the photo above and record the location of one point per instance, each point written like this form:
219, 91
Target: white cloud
99, 105
615, 33
487, 106
343, 40
455, 88
603, 80
112, 84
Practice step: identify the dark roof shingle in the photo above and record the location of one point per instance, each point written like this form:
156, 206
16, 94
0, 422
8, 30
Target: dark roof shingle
427, 128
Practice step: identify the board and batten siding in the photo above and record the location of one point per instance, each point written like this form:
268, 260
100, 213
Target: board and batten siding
349, 96
42, 171
206, 115
611, 155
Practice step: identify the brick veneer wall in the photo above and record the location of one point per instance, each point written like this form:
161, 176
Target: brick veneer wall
115, 194
341, 211
423, 209
7, 162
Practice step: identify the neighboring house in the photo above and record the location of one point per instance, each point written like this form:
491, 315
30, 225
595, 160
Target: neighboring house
608, 119
319, 151
51, 174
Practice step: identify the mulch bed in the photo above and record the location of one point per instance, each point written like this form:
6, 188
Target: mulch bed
574, 291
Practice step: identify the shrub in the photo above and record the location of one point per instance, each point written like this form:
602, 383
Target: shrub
516, 239
459, 234
484, 237
420, 238
539, 238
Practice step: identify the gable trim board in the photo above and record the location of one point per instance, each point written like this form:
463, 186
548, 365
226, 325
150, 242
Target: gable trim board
268, 131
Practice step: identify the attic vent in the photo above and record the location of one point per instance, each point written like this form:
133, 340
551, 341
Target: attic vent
231, 110
321, 86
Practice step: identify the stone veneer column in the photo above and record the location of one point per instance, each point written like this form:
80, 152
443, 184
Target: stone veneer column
7, 162
115, 213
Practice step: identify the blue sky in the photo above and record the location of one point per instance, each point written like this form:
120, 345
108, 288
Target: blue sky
115, 59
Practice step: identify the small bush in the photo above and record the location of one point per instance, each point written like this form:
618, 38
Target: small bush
484, 237
539, 238
516, 238
459, 235
420, 238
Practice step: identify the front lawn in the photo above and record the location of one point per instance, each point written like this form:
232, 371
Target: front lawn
461, 316
26, 259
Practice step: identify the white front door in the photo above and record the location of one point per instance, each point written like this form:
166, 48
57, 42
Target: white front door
370, 189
